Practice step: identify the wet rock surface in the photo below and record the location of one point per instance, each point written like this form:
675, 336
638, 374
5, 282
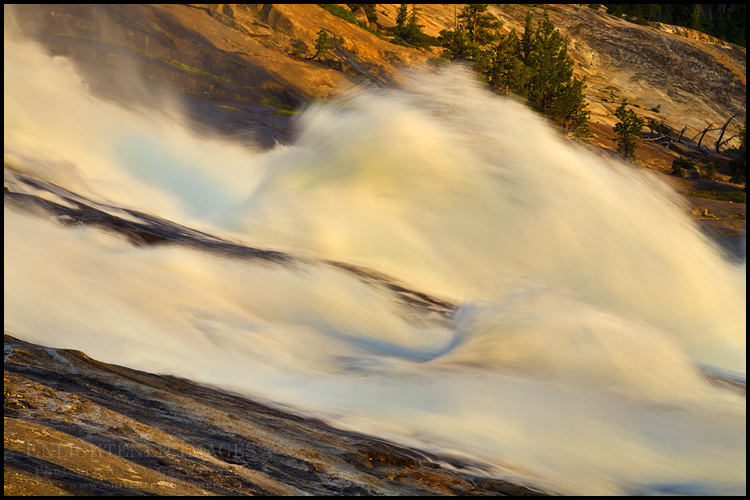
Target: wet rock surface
142, 229
74, 425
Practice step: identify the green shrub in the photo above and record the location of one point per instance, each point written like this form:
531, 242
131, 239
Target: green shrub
348, 15
681, 163
397, 40
299, 49
628, 130
708, 172
339, 11
733, 196
274, 101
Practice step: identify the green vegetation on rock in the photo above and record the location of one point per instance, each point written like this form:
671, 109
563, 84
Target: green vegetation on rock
726, 22
739, 166
322, 44
733, 196
628, 130
535, 66
347, 15
284, 109
408, 31
340, 11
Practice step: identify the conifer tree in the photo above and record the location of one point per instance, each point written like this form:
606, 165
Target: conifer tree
695, 22
665, 15
536, 66
481, 27
401, 17
720, 25
321, 44
456, 46
628, 130
413, 28
550, 65
569, 109
526, 39
477, 32
652, 9
371, 12
408, 28
638, 13
507, 73
551, 87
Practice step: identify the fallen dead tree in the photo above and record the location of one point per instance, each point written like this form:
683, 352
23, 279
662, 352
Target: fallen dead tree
690, 147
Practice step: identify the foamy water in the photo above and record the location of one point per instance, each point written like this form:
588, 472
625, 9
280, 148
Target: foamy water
586, 298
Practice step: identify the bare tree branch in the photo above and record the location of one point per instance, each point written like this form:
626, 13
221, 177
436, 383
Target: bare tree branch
723, 129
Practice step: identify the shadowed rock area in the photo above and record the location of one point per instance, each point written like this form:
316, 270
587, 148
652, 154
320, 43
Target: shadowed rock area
226, 65
76, 426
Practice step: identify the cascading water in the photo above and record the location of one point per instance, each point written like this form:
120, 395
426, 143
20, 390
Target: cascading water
585, 298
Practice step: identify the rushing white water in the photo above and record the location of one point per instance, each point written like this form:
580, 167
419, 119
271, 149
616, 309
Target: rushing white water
586, 298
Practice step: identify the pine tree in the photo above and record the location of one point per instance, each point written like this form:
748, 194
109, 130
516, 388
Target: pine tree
401, 17
652, 9
481, 27
321, 44
370, 12
720, 25
456, 46
414, 33
695, 22
737, 25
628, 130
550, 65
526, 40
477, 32
507, 72
569, 110
536, 66
638, 13
408, 28
665, 15
551, 88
